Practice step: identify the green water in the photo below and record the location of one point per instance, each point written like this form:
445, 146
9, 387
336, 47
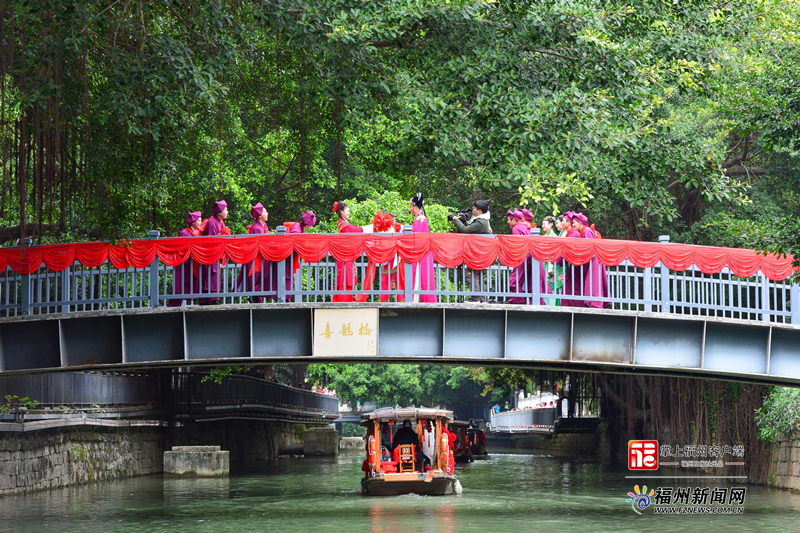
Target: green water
509, 493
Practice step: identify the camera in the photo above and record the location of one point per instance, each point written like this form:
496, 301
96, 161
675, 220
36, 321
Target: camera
464, 214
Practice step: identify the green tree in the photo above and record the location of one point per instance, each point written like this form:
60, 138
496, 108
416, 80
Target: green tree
390, 385
779, 414
119, 117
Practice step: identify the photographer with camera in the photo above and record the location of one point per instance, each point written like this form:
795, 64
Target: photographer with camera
478, 225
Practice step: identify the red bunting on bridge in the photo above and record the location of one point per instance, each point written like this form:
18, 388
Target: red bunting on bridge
449, 250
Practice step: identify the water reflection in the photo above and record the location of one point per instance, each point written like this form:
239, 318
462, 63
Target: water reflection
179, 490
506, 493
429, 514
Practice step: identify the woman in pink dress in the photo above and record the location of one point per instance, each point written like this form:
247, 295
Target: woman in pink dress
422, 273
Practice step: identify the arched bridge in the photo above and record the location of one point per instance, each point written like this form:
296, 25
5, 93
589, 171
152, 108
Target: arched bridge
669, 309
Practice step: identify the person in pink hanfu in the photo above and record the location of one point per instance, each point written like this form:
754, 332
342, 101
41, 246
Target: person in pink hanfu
422, 273
595, 278
518, 281
307, 220
521, 276
214, 226
260, 275
573, 279
185, 280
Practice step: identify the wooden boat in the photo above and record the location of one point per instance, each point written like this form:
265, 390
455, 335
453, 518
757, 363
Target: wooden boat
387, 477
477, 439
461, 449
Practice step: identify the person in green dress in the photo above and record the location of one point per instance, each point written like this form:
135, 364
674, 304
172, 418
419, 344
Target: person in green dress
553, 271
549, 227
562, 226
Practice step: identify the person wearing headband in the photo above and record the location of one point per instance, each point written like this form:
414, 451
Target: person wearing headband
210, 273
595, 278
183, 279
260, 275
307, 220
520, 278
527, 215
422, 272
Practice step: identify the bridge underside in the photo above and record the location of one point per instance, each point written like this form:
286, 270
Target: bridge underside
473, 334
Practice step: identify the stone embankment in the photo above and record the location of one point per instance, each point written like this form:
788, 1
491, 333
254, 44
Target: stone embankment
55, 458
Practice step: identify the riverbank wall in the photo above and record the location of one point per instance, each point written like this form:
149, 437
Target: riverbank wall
50, 458
55, 458
582, 444
784, 472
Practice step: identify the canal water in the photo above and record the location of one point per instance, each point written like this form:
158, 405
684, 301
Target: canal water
509, 493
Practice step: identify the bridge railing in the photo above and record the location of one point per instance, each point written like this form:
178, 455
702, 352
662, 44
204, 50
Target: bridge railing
82, 389
625, 286
250, 390
523, 420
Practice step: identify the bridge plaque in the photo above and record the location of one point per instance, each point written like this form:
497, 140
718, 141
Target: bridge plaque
343, 332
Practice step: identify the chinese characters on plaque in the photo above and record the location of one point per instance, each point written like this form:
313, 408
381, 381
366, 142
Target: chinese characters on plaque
347, 332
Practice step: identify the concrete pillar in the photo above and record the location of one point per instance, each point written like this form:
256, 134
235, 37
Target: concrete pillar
321, 442
198, 461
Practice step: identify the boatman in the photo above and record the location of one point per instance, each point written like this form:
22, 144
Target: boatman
406, 435
386, 436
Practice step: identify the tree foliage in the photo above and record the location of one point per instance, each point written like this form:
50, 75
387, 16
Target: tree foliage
118, 117
392, 385
779, 414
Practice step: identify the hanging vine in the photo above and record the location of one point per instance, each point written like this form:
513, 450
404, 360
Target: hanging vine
685, 411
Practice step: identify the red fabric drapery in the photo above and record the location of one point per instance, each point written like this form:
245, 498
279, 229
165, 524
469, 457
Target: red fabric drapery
449, 250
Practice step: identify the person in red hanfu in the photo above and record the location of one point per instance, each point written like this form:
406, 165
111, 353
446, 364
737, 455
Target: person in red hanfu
422, 273
595, 278
451, 463
185, 281
261, 275
210, 273
345, 270
307, 220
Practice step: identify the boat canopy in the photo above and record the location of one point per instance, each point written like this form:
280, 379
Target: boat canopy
385, 414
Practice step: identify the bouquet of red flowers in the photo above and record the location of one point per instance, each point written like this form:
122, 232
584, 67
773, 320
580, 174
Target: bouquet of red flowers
384, 222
